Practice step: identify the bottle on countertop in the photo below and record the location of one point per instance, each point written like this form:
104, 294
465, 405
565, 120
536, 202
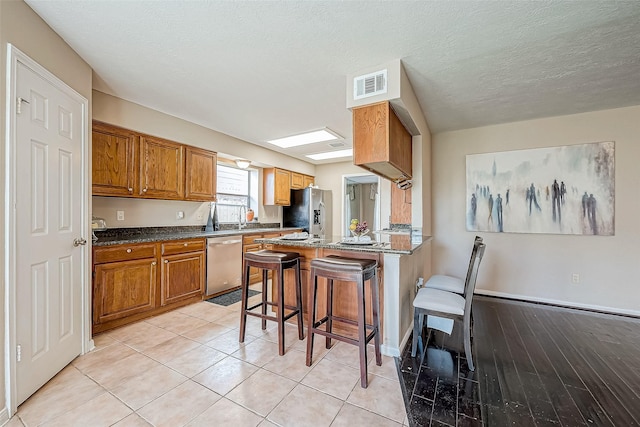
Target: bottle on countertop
209, 227
216, 223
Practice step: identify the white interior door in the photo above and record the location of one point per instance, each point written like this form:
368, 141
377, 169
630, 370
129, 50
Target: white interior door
49, 207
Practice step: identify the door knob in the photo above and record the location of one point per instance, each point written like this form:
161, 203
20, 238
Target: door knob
79, 242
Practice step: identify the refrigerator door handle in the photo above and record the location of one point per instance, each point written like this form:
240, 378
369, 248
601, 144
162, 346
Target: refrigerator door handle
322, 217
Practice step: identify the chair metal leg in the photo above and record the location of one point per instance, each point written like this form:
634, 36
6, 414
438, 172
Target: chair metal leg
417, 331
467, 342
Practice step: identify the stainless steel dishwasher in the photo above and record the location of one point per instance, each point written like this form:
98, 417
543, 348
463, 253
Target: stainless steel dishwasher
224, 264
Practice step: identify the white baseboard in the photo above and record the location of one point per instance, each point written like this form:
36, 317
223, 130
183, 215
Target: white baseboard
387, 350
4, 416
570, 304
407, 334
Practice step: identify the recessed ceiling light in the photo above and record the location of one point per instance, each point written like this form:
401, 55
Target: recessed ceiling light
305, 138
331, 154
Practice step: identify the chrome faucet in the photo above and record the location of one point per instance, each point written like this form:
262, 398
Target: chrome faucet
242, 217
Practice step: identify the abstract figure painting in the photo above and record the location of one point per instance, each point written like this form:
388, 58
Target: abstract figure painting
558, 190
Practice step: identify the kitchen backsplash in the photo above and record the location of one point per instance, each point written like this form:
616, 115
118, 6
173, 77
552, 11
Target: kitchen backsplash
163, 213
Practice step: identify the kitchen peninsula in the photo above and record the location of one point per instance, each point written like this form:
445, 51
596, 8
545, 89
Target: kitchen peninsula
401, 261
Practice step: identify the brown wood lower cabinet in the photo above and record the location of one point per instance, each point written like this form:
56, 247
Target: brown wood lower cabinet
124, 288
182, 277
128, 286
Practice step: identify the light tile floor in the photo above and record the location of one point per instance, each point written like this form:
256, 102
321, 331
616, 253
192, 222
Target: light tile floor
187, 368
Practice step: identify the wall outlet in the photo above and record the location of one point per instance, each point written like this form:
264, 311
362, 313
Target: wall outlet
199, 216
120, 215
179, 214
575, 278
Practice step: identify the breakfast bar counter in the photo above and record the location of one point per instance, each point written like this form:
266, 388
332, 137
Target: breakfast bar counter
401, 260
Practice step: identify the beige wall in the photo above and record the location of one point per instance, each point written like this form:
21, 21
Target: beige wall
20, 26
127, 114
539, 266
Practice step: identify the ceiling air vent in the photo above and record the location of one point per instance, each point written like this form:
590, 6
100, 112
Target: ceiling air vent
370, 84
336, 144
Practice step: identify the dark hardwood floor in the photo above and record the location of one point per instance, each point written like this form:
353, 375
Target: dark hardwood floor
536, 365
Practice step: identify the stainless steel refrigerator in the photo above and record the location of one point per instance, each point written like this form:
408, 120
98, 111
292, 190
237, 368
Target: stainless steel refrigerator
311, 210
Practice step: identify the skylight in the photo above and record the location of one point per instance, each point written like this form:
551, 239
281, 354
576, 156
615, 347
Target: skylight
305, 138
331, 154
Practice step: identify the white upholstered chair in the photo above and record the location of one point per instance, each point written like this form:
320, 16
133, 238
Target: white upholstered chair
446, 304
451, 283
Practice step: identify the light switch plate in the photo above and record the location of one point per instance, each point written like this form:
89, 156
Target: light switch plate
120, 215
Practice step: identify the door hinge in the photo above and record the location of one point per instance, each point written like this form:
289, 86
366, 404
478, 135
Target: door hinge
19, 104
19, 352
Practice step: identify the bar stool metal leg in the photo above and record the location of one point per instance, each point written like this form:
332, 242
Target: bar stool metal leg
312, 316
362, 333
375, 309
265, 278
299, 301
280, 303
245, 297
329, 311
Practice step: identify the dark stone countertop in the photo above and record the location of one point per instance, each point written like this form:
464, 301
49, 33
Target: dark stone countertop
403, 243
119, 236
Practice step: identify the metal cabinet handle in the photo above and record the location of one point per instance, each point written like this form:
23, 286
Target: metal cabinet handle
144, 190
186, 244
129, 250
79, 242
130, 190
166, 261
153, 263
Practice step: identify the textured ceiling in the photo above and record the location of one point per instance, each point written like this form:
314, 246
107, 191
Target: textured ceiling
263, 70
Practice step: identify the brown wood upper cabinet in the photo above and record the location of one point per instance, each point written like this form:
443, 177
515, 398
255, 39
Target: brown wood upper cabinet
113, 160
297, 181
201, 174
307, 181
161, 168
130, 164
381, 144
276, 187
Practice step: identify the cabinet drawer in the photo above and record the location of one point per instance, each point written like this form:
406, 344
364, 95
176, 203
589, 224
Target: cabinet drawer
183, 246
251, 239
252, 248
124, 252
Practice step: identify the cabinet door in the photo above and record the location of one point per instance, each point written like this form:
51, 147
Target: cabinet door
381, 144
307, 181
276, 186
113, 159
182, 277
123, 288
200, 175
297, 180
161, 168
283, 187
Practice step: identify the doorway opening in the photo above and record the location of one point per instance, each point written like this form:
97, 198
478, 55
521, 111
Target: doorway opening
361, 200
